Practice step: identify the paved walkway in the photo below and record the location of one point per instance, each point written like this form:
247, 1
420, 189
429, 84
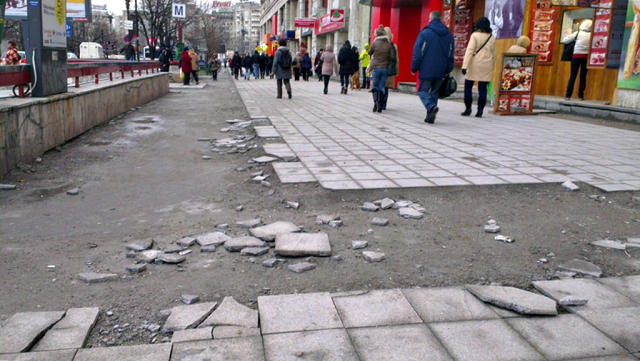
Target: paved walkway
409, 324
343, 145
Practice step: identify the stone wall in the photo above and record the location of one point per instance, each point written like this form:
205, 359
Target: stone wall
629, 98
29, 127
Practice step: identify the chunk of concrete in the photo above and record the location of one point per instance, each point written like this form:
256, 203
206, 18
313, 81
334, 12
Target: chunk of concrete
371, 256
385, 203
71, 332
254, 251
73, 191
93, 277
264, 159
303, 244
239, 243
184, 317
515, 299
270, 231
186, 242
573, 301
402, 204
410, 213
136, 268
213, 238
359, 244
232, 313
22, 329
249, 223
378, 221
171, 258
301, 267
270, 263
609, 243
189, 299
234, 331
157, 352
139, 246
570, 186
192, 334
492, 228
369, 207
7, 187
326, 218
581, 267
148, 256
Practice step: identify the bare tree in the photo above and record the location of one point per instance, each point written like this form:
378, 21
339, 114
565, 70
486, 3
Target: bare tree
158, 25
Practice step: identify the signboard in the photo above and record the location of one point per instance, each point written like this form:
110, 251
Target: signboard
337, 15
543, 32
54, 27
222, 4
77, 10
179, 10
600, 38
128, 24
68, 30
330, 22
305, 22
629, 75
616, 34
515, 93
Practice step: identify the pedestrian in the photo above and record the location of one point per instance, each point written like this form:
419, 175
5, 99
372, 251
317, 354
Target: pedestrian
282, 63
391, 79
521, 45
255, 60
185, 65
479, 59
382, 53
306, 66
236, 63
129, 51
269, 66
297, 64
329, 66
582, 37
318, 64
214, 64
164, 60
433, 58
348, 64
12, 57
224, 64
247, 64
194, 65
364, 63
263, 65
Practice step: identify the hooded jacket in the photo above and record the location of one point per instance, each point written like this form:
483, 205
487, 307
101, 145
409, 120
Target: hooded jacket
380, 51
582, 37
185, 62
329, 62
433, 51
364, 56
347, 60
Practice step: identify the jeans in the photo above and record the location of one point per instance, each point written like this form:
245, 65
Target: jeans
482, 93
256, 71
379, 79
428, 92
344, 80
365, 78
287, 85
581, 65
247, 73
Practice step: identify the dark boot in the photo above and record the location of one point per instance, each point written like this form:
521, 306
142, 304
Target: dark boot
481, 105
375, 99
467, 108
345, 90
383, 100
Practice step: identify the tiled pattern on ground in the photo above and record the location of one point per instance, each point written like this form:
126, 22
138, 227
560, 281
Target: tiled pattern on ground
411, 324
343, 145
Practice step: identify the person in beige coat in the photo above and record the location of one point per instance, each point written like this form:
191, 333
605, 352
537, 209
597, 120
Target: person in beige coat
521, 46
477, 66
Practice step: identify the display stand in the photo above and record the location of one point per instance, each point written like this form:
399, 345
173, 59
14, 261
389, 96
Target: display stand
515, 91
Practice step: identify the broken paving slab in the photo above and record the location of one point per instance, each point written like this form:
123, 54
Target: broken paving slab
157, 352
301, 267
384, 203
212, 239
22, 329
410, 213
371, 256
249, 223
7, 187
239, 243
514, 299
224, 349
136, 268
264, 159
148, 256
369, 207
139, 246
359, 244
326, 218
192, 334
234, 331
254, 251
378, 221
232, 313
609, 243
570, 186
71, 332
171, 258
303, 244
93, 277
184, 317
59, 355
581, 267
270, 231
266, 131
186, 242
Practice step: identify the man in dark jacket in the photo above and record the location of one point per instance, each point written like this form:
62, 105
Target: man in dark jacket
433, 58
282, 63
236, 63
129, 51
348, 65
165, 60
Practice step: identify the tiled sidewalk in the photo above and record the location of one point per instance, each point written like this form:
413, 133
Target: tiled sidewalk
343, 145
412, 324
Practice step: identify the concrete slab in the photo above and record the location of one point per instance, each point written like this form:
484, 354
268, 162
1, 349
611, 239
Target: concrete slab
243, 348
514, 299
232, 313
212, 238
622, 357
565, 336
189, 316
60, 355
582, 267
234, 331
93, 277
397, 343
192, 334
301, 312
71, 331
484, 340
22, 329
270, 231
158, 352
621, 324
238, 243
376, 308
447, 304
628, 286
303, 244
599, 295
325, 345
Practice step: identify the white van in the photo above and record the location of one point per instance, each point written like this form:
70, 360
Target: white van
91, 51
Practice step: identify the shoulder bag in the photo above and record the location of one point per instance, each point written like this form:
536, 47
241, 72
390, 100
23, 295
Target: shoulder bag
483, 45
393, 61
449, 86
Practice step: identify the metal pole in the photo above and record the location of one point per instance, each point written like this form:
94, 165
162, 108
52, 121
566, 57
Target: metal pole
137, 35
3, 4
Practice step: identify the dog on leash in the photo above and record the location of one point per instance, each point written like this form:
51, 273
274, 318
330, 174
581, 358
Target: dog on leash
355, 81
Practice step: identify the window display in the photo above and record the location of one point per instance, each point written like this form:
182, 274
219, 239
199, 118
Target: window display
515, 94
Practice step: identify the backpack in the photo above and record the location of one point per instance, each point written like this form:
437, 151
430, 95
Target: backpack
285, 60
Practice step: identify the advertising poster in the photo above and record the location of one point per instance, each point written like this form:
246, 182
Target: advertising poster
630, 66
543, 31
599, 40
54, 26
462, 27
515, 94
76, 9
506, 17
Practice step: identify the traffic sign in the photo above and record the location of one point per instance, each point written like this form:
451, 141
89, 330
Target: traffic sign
179, 10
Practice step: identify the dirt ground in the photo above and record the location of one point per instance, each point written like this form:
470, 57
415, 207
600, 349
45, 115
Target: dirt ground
142, 176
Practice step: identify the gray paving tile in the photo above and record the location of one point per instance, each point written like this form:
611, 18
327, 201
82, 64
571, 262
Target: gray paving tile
621, 357
22, 329
520, 179
415, 182
627, 285
367, 176
621, 324
485, 180
242, 348
435, 173
70, 332
60, 355
301, 312
325, 345
449, 181
157, 352
447, 304
397, 343
340, 185
376, 308
599, 295
565, 336
377, 184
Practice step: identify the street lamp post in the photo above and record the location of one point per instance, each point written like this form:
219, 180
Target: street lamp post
137, 35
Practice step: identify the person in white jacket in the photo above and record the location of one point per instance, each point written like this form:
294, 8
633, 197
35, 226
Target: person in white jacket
582, 38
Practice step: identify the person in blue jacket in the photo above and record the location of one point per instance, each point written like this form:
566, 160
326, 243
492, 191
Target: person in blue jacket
433, 58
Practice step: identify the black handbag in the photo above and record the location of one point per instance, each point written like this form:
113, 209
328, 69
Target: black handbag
393, 61
449, 86
567, 52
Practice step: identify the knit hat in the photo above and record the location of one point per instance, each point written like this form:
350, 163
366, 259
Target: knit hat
524, 41
380, 31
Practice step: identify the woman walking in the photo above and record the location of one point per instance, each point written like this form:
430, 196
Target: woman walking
391, 80
236, 63
477, 66
318, 64
247, 63
382, 52
185, 65
582, 37
348, 65
306, 66
329, 66
194, 65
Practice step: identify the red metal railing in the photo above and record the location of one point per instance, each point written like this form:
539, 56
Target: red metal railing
20, 75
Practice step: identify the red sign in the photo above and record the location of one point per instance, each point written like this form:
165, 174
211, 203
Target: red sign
305, 22
330, 22
222, 4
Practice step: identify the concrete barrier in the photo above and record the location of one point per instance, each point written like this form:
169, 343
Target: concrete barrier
31, 126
